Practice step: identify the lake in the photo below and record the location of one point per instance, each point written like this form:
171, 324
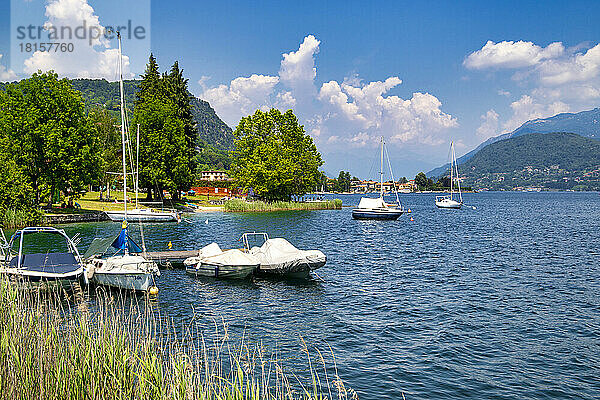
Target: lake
500, 302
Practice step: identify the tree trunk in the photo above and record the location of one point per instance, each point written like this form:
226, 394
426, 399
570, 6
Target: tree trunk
148, 193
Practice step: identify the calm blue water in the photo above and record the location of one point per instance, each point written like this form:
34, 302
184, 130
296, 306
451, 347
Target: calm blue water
499, 302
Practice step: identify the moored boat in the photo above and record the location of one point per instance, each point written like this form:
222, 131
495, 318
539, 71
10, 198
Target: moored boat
60, 265
448, 201
216, 263
377, 208
278, 257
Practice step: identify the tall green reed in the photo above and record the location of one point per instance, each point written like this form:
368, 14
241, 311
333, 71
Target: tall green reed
50, 348
237, 205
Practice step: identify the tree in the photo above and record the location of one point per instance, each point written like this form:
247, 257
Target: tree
109, 139
162, 110
44, 118
421, 181
274, 156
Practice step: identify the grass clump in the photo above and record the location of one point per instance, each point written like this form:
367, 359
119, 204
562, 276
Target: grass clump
10, 218
236, 205
56, 349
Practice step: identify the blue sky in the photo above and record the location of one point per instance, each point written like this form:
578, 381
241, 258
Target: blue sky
346, 60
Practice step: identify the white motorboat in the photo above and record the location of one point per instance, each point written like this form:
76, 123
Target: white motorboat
448, 201
214, 262
122, 269
370, 208
279, 257
60, 265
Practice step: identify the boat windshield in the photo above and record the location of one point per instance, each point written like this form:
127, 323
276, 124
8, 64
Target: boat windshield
40, 241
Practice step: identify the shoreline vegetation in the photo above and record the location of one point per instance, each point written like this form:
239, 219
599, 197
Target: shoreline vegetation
52, 347
236, 205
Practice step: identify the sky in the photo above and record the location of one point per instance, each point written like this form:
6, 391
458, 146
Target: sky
420, 74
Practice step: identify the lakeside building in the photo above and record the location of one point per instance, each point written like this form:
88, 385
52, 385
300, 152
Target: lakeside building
214, 176
367, 186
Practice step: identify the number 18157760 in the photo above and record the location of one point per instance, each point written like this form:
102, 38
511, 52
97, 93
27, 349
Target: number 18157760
47, 47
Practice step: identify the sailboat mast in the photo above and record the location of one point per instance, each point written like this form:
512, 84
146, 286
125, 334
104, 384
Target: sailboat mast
381, 169
137, 166
451, 169
457, 179
123, 133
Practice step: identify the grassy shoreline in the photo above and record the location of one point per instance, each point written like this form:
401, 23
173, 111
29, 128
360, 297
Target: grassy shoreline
236, 205
53, 348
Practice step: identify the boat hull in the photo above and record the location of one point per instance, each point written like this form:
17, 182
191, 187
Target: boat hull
133, 216
297, 269
448, 203
136, 281
358, 213
221, 271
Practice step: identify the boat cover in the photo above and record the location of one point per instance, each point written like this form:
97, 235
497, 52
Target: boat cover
280, 251
54, 263
366, 202
207, 251
231, 257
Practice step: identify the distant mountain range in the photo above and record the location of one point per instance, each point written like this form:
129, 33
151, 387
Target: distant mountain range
546, 160
585, 123
211, 129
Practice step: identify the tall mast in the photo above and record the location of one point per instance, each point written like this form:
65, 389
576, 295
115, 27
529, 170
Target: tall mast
137, 166
451, 168
457, 179
381, 169
123, 135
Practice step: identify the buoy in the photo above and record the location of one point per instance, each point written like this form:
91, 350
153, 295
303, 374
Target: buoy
153, 290
409, 211
170, 245
412, 219
206, 222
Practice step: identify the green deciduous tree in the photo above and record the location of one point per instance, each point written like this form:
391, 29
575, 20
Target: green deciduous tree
274, 156
44, 118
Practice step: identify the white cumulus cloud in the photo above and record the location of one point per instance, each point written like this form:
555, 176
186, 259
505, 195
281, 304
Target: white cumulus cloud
352, 112
92, 56
6, 74
526, 108
509, 54
489, 125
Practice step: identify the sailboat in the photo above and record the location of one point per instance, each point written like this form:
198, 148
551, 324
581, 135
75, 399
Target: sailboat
370, 208
448, 201
122, 269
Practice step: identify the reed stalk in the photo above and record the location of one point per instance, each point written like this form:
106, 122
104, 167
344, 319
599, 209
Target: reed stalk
51, 347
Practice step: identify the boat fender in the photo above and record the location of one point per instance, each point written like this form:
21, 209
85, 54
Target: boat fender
153, 290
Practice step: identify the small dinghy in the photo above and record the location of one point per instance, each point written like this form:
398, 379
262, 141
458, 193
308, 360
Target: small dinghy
214, 262
60, 265
279, 257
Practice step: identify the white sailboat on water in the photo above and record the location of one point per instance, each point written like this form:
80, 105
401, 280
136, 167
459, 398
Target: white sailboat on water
370, 208
122, 269
449, 201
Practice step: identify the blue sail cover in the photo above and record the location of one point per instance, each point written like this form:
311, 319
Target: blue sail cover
124, 241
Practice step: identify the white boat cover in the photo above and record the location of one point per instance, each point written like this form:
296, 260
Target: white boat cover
368, 203
279, 251
232, 257
207, 251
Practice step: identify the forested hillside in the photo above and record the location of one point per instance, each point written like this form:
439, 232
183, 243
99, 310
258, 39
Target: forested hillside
551, 160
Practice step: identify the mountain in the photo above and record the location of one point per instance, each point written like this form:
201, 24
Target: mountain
211, 129
555, 160
585, 123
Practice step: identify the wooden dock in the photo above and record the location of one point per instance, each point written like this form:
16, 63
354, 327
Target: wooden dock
170, 257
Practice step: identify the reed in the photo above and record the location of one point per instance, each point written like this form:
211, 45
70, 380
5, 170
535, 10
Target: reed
236, 205
55, 349
10, 218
